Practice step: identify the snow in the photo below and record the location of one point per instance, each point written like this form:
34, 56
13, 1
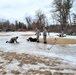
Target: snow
35, 48
67, 53
12, 66
34, 67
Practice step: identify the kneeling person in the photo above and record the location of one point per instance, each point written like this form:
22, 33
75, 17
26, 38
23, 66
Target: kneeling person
13, 40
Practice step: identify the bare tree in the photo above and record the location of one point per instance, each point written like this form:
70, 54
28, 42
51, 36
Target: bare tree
40, 19
6, 25
62, 11
29, 22
16, 24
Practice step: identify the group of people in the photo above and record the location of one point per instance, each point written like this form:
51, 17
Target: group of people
44, 34
14, 39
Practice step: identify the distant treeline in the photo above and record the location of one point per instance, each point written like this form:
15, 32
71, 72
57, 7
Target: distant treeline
69, 29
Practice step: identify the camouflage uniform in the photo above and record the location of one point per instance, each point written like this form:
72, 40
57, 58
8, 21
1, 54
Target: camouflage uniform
38, 34
13, 40
62, 34
44, 35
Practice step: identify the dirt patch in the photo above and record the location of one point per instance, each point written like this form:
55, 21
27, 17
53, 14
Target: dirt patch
34, 72
30, 59
15, 72
23, 58
56, 40
59, 41
28, 34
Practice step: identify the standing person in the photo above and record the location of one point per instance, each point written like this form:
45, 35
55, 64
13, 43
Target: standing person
38, 34
44, 34
61, 34
48, 31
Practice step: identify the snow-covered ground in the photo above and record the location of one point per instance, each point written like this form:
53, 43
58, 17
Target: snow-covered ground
67, 53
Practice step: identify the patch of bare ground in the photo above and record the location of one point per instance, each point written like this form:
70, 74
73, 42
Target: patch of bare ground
56, 40
23, 58
59, 40
58, 73
30, 59
34, 72
15, 72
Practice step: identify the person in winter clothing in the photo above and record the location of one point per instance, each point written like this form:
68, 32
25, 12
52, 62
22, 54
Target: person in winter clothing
44, 34
38, 34
13, 40
61, 34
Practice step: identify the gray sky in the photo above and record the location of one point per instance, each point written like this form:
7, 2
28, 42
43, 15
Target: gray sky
19, 9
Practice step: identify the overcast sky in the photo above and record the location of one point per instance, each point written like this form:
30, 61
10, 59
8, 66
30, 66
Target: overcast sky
19, 9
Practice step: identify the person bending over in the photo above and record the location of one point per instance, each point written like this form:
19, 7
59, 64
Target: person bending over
38, 34
13, 40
